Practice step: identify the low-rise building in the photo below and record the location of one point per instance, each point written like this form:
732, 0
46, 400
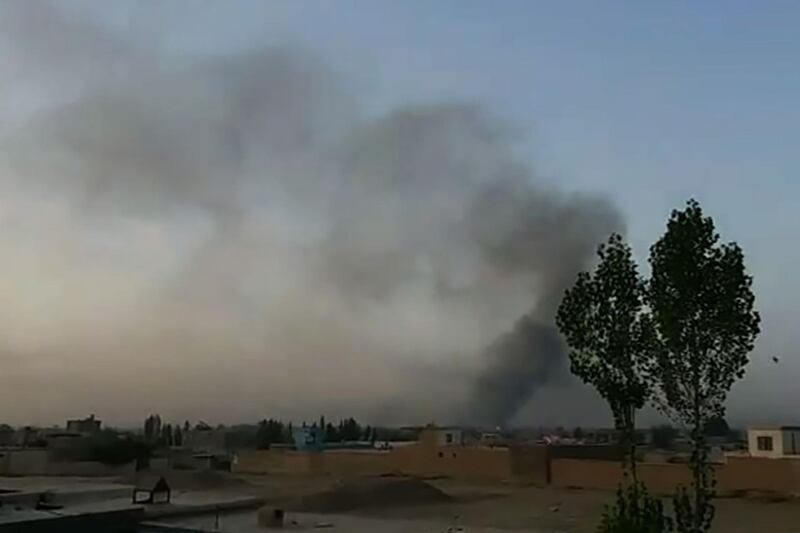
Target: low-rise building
442, 436
774, 442
206, 439
308, 438
84, 426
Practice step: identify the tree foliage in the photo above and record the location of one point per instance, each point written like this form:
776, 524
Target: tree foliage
152, 428
113, 448
703, 308
166, 438
603, 320
177, 435
347, 430
270, 432
635, 511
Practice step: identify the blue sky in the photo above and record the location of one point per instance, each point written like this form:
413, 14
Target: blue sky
649, 102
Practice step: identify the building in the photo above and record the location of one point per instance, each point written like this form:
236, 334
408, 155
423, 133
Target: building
774, 442
206, 439
85, 426
308, 438
442, 436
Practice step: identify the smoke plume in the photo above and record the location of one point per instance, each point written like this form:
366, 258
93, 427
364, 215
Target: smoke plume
231, 236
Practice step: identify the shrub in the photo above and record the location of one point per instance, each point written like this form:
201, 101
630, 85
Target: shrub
635, 511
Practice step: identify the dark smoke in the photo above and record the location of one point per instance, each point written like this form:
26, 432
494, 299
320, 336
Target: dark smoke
519, 362
239, 222
554, 237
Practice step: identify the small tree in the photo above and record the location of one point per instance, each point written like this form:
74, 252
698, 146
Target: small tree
166, 435
148, 429
331, 433
152, 428
177, 436
270, 432
703, 307
603, 321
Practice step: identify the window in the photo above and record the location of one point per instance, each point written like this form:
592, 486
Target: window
764, 444
448, 437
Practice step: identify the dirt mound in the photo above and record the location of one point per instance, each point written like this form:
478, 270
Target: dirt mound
370, 494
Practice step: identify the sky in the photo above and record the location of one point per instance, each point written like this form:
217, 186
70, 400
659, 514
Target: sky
644, 103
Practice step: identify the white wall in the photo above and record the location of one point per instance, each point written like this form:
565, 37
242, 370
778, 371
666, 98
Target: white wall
777, 442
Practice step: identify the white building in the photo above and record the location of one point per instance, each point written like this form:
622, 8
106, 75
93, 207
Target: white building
774, 442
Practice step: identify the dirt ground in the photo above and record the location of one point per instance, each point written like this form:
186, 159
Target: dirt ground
507, 506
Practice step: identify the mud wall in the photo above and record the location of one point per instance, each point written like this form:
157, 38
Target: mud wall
738, 474
415, 460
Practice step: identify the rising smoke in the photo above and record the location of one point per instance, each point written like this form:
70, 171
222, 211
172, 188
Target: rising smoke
235, 237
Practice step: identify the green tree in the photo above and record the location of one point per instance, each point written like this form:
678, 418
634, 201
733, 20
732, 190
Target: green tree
703, 307
152, 429
349, 430
331, 433
162, 439
578, 433
270, 432
111, 447
177, 436
603, 319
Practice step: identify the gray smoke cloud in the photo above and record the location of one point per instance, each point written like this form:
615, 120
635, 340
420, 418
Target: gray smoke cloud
231, 236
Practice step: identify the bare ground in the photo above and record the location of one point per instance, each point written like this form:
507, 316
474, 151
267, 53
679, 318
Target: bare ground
509, 506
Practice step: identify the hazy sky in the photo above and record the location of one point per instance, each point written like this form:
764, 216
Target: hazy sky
647, 103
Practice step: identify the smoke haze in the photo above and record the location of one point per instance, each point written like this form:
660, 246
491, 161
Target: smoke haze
229, 237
